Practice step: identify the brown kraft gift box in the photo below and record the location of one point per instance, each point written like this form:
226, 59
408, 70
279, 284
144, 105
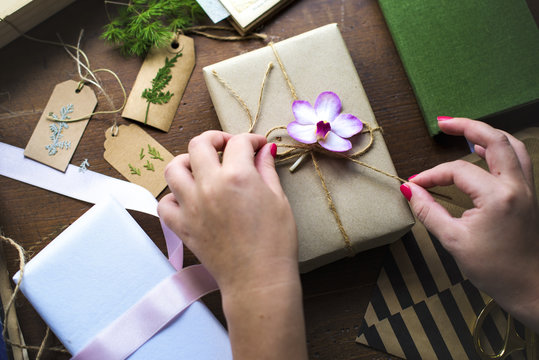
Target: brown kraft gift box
371, 208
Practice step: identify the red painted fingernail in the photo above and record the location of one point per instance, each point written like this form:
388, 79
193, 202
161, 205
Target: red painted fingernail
442, 118
411, 177
406, 191
273, 150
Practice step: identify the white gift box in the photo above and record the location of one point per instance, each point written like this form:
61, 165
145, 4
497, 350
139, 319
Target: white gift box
96, 270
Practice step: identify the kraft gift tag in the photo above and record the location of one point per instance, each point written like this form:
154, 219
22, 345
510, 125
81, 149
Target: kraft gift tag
138, 157
54, 142
160, 115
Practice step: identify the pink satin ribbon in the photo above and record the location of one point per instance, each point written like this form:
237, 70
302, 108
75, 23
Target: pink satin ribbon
174, 247
154, 310
149, 315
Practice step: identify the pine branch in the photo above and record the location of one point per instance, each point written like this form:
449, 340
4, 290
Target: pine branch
141, 24
155, 94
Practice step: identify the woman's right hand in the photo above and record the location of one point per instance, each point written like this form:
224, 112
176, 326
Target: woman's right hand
496, 243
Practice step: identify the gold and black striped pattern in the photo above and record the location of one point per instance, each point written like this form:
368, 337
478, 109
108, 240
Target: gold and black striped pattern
424, 308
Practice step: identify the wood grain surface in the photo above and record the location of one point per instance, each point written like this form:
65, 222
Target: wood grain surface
336, 295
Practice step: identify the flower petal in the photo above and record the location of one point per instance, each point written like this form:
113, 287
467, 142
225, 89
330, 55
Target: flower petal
327, 106
304, 112
346, 125
302, 133
334, 142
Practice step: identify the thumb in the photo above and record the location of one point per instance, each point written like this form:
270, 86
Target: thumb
265, 165
433, 215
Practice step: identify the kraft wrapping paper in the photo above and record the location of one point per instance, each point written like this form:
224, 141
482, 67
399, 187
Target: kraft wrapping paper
370, 205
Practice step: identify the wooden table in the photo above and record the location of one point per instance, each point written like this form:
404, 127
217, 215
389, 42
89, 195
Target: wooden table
336, 295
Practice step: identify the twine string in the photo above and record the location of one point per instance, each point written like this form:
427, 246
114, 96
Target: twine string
299, 150
331, 204
22, 264
84, 78
202, 31
235, 95
259, 105
91, 77
43, 342
285, 74
88, 77
294, 96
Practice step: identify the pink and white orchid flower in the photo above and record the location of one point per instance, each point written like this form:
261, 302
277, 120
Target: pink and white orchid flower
324, 123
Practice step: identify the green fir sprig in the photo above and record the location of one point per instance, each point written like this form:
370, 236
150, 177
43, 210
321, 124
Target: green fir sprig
149, 166
141, 24
134, 170
154, 154
155, 94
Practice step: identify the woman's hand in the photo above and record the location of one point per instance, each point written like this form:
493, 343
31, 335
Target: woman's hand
233, 214
496, 243
235, 217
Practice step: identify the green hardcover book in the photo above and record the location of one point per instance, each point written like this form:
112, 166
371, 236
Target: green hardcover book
471, 58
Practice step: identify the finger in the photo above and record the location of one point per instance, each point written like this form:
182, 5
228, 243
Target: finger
521, 153
499, 154
203, 152
469, 178
523, 157
179, 177
265, 165
480, 151
169, 211
434, 216
240, 150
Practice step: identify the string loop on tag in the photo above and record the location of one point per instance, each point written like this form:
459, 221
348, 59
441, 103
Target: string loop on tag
93, 80
114, 130
89, 77
81, 85
115, 111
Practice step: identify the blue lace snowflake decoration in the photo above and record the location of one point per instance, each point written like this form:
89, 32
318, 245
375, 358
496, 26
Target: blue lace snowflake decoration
56, 130
84, 166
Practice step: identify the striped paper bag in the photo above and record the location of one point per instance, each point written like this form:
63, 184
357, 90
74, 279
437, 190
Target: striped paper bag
423, 307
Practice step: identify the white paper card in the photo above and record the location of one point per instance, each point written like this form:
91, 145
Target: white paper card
247, 11
214, 9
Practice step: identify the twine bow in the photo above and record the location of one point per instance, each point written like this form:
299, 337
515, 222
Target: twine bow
300, 151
